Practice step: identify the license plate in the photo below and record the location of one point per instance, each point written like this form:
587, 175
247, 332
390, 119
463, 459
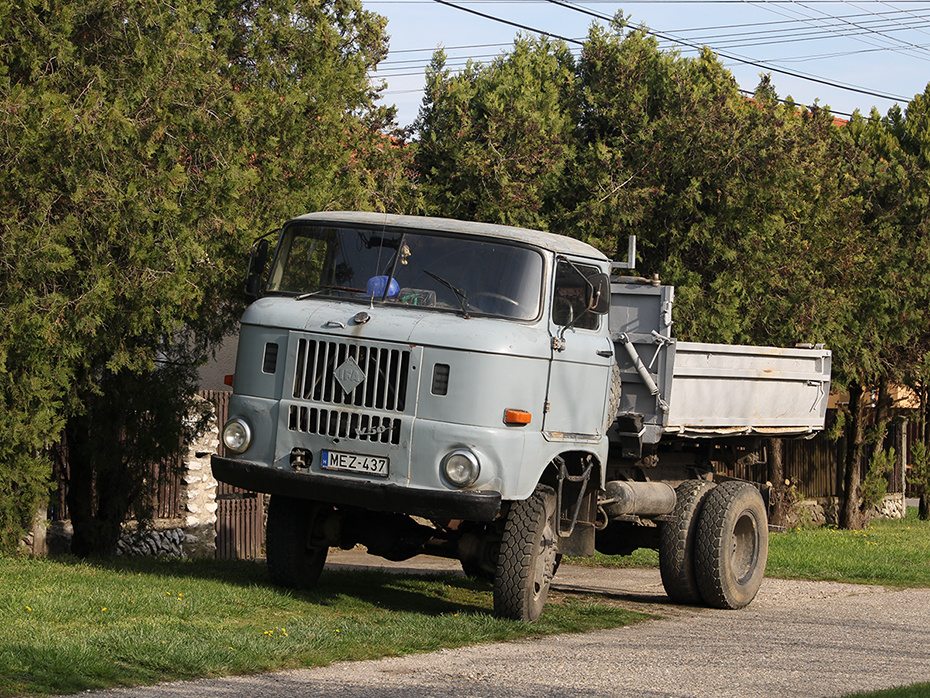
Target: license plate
355, 463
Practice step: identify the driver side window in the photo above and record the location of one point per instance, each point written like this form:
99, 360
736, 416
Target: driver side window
568, 303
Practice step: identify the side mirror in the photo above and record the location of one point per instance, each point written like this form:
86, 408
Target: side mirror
258, 259
597, 294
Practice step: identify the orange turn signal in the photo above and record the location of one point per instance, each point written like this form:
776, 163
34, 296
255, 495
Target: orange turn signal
228, 379
517, 417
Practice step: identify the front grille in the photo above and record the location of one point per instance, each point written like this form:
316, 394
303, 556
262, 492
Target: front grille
344, 425
340, 373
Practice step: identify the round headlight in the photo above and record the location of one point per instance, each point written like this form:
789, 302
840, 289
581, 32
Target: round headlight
237, 436
461, 468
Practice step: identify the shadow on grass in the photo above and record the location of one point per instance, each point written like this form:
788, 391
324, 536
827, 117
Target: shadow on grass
416, 593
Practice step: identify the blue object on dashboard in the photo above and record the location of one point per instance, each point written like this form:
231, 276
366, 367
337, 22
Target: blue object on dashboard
376, 285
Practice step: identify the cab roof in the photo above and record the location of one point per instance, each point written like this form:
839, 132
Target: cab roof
558, 244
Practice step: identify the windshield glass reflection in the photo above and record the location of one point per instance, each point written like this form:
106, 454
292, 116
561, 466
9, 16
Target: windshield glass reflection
429, 271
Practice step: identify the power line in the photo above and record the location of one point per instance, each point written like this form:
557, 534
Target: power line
738, 59
857, 31
507, 21
756, 34
802, 26
677, 41
653, 2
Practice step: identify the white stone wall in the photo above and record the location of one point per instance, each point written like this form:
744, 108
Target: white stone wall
826, 510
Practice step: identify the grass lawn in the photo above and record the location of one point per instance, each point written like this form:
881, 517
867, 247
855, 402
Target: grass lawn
920, 690
889, 552
69, 626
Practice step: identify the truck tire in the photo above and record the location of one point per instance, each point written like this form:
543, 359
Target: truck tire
732, 545
293, 561
677, 542
528, 557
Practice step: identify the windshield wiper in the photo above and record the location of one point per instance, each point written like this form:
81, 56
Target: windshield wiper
459, 293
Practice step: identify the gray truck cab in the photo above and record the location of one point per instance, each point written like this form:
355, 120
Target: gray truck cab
419, 367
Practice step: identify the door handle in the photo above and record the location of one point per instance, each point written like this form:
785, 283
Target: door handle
606, 353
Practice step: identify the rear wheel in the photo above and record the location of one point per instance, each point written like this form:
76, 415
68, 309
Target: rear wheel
528, 557
678, 539
732, 545
294, 560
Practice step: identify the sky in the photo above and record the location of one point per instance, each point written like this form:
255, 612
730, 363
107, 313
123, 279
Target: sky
845, 55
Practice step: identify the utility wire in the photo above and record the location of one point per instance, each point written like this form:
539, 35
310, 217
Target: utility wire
733, 57
507, 21
784, 31
855, 30
690, 44
722, 35
650, 2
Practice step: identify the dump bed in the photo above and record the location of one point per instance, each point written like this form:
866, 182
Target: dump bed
695, 390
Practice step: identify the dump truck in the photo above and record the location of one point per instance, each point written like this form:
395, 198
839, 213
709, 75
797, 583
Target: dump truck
502, 397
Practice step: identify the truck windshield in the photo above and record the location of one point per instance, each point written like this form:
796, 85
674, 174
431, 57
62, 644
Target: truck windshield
409, 267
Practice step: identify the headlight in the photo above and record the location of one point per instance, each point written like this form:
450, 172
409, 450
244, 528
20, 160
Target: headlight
461, 468
237, 435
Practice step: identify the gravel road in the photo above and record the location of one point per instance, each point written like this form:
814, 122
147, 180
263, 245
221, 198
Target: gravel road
796, 639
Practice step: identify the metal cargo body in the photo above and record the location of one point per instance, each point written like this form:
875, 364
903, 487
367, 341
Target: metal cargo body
718, 390
695, 390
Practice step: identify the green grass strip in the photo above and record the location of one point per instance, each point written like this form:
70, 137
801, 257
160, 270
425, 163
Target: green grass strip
69, 626
888, 552
919, 690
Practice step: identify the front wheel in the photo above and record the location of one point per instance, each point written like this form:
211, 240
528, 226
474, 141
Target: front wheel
732, 545
294, 559
529, 555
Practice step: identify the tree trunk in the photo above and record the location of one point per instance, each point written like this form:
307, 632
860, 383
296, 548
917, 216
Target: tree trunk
923, 504
882, 418
777, 478
96, 496
850, 515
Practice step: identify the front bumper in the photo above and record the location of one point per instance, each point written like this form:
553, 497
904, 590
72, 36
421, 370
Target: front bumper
471, 505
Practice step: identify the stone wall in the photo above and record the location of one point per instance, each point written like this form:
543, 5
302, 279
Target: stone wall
198, 496
35, 541
825, 511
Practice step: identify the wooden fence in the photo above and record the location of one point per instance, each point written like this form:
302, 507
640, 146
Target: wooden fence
165, 475
816, 465
812, 464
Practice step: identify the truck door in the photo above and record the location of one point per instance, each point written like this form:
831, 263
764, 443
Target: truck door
582, 355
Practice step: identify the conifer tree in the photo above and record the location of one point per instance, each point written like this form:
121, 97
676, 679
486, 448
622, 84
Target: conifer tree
145, 145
